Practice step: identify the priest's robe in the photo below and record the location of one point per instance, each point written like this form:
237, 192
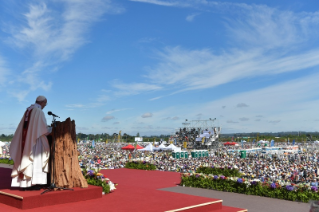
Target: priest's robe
30, 152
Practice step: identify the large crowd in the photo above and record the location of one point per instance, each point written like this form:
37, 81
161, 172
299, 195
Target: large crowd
295, 168
302, 167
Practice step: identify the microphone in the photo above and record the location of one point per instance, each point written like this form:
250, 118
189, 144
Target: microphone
52, 114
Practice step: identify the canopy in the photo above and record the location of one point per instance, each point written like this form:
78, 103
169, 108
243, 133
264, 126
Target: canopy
2, 143
149, 147
316, 142
173, 147
230, 143
139, 147
128, 147
263, 142
161, 147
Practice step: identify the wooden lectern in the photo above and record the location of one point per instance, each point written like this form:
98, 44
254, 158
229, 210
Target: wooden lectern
67, 171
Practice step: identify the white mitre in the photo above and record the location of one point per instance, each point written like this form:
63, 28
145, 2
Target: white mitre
41, 98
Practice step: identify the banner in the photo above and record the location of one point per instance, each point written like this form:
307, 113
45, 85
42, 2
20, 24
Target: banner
185, 144
138, 138
106, 141
203, 140
242, 143
272, 143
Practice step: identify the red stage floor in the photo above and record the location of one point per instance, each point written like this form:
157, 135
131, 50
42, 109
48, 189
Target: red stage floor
137, 191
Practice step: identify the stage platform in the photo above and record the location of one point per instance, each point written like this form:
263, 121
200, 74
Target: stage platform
137, 190
34, 199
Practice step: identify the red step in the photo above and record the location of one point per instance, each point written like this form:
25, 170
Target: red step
33, 199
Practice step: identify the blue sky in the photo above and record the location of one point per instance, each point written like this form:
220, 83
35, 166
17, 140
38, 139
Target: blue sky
147, 65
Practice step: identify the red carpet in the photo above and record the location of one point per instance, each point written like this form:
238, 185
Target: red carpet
137, 191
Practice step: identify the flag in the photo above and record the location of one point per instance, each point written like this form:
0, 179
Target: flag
272, 143
93, 144
293, 142
254, 141
242, 144
288, 140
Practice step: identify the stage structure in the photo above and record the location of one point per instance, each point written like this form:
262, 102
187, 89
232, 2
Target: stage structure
199, 134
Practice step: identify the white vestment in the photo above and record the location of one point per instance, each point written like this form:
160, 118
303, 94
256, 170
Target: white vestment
33, 162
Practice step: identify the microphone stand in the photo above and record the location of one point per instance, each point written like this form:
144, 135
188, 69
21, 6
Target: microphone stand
53, 186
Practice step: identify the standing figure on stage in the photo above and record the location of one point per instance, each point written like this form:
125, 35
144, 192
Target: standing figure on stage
30, 148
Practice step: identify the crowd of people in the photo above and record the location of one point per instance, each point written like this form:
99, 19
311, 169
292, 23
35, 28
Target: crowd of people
295, 168
292, 168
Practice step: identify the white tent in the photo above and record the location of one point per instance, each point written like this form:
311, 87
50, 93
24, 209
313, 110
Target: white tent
173, 148
161, 147
316, 142
149, 147
263, 142
2, 143
244, 141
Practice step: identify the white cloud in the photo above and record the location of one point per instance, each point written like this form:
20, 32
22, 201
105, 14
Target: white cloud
155, 98
107, 118
274, 121
52, 37
199, 69
147, 115
75, 106
265, 42
191, 17
242, 105
231, 122
244, 119
124, 89
59, 35
116, 110
161, 3
297, 99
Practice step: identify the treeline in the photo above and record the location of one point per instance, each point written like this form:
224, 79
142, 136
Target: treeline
4, 137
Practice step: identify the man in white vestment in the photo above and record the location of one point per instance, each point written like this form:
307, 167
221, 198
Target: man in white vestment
30, 148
